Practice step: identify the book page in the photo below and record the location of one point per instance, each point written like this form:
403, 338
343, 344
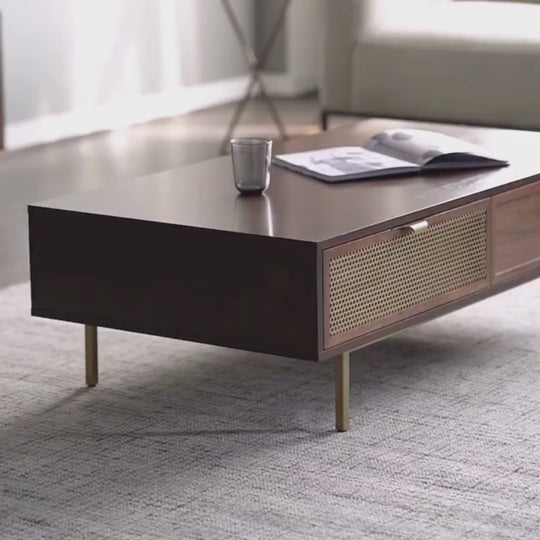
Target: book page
345, 161
422, 146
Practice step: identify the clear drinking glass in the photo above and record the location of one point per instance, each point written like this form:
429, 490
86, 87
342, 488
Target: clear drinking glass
251, 162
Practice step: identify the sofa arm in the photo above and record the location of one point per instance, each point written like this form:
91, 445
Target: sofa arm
346, 22
341, 21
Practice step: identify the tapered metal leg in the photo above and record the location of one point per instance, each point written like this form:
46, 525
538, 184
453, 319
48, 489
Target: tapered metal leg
324, 120
240, 106
342, 392
91, 354
255, 65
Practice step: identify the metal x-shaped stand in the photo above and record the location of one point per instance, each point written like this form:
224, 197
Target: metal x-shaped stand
255, 66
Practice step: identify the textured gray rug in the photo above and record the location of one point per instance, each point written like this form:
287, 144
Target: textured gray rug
189, 441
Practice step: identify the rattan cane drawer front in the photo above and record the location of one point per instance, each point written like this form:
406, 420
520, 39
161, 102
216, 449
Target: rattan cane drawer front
375, 281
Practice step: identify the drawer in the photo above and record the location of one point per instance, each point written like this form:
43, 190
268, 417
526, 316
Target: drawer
516, 232
378, 280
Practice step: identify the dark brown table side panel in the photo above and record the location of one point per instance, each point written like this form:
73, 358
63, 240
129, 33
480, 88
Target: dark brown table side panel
516, 231
233, 290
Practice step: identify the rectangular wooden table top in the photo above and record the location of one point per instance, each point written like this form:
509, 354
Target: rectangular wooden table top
303, 209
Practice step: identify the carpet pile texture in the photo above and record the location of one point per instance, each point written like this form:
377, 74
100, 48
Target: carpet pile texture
188, 441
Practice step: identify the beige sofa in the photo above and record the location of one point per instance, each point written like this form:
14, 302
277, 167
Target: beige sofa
475, 62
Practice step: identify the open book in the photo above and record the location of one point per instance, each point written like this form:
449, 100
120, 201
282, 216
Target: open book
391, 152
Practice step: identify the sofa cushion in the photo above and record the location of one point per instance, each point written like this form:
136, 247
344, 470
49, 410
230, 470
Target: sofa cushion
507, 1
463, 23
474, 61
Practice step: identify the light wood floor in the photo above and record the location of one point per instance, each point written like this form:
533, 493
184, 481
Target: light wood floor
75, 165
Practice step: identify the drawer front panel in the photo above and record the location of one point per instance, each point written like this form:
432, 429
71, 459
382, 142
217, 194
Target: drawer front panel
516, 232
376, 281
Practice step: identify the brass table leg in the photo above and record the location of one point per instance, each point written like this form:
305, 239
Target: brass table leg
91, 354
342, 392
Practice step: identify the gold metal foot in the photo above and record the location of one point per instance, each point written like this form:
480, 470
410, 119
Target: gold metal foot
91, 354
342, 392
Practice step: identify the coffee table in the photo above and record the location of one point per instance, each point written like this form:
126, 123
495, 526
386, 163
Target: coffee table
309, 270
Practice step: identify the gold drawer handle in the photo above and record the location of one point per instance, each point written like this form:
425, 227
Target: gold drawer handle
415, 227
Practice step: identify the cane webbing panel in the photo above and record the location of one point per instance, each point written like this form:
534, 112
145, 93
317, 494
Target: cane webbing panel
386, 277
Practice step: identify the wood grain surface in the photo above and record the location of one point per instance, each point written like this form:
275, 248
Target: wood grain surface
300, 208
516, 231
